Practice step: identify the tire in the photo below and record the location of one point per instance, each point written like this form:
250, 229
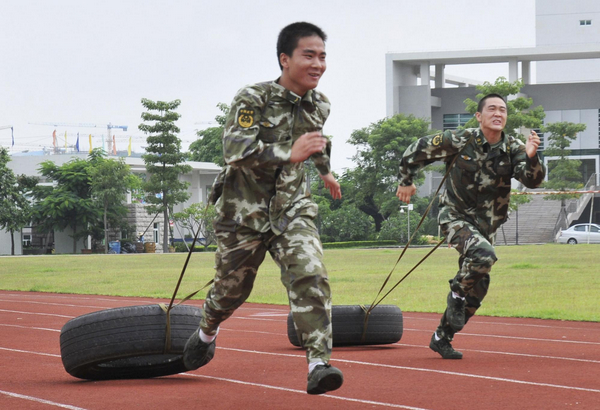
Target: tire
384, 326
572, 241
126, 342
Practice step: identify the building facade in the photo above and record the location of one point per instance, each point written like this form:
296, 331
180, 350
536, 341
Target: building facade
200, 180
561, 73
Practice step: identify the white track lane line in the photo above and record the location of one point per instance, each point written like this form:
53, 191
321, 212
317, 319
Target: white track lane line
53, 304
328, 396
38, 400
420, 369
29, 352
30, 327
36, 313
387, 366
535, 339
480, 321
536, 356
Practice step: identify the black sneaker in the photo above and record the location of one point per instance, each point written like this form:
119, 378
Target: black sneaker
455, 313
324, 378
196, 353
444, 348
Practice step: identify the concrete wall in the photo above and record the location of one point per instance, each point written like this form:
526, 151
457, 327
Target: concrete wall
558, 22
5, 245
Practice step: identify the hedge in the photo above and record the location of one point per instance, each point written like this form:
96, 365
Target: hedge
180, 247
358, 244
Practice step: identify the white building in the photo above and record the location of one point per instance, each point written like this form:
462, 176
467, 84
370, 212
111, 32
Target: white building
200, 179
566, 64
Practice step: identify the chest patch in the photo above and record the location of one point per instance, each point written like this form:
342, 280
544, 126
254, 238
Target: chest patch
245, 117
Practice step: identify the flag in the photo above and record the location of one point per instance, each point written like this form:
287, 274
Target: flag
129, 148
114, 150
54, 138
65, 139
77, 143
12, 134
90, 143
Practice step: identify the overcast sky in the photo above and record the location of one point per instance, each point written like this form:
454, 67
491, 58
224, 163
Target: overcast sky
91, 62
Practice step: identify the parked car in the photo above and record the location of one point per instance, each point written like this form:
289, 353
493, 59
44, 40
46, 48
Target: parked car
580, 233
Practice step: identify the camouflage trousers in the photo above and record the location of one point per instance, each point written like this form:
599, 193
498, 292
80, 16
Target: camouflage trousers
299, 254
476, 259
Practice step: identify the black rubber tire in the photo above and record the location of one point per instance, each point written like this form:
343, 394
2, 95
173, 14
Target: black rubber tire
126, 342
384, 326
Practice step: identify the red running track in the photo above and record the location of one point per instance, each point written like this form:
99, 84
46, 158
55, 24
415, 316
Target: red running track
507, 364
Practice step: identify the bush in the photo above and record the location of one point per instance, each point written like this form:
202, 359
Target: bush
180, 247
358, 244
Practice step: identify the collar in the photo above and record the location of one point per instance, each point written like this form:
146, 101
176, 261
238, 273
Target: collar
482, 142
291, 96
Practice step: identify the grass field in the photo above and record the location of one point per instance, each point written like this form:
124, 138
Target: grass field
541, 281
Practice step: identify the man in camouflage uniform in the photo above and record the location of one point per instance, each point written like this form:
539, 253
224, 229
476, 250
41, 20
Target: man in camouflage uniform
264, 205
474, 204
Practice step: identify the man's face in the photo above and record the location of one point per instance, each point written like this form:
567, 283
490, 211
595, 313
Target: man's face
303, 70
493, 115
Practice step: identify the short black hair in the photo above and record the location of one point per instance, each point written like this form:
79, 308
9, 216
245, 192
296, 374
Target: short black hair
290, 34
482, 101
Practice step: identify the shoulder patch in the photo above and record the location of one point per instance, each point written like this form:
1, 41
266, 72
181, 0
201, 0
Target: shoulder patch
245, 117
437, 140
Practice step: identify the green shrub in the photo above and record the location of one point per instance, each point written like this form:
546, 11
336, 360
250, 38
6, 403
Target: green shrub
180, 247
358, 244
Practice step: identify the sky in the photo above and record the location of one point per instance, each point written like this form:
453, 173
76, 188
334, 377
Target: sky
90, 62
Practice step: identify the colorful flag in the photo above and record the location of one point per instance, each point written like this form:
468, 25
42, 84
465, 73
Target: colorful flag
129, 148
12, 134
54, 138
114, 150
65, 139
90, 143
77, 143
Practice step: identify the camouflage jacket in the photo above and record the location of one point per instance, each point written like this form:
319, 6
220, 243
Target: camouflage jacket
259, 187
478, 185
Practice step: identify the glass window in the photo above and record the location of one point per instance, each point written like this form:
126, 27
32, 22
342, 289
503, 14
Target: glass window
594, 229
453, 121
156, 229
580, 228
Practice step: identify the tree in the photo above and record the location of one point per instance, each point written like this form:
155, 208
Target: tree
209, 145
518, 109
164, 161
563, 173
374, 180
15, 208
198, 216
69, 203
110, 181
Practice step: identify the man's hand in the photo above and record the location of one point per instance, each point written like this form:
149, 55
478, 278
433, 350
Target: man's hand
533, 142
332, 185
405, 192
307, 145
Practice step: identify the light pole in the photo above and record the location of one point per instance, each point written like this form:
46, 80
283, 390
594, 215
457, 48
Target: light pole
409, 208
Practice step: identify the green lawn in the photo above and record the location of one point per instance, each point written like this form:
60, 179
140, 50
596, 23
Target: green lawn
542, 281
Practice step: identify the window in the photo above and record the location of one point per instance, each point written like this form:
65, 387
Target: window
542, 139
156, 229
585, 22
453, 121
26, 240
580, 228
594, 229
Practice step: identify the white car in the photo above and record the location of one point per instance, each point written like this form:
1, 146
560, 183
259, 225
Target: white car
580, 233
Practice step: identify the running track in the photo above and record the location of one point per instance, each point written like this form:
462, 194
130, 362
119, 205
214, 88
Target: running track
508, 364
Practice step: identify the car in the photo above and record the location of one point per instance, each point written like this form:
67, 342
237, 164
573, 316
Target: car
580, 233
